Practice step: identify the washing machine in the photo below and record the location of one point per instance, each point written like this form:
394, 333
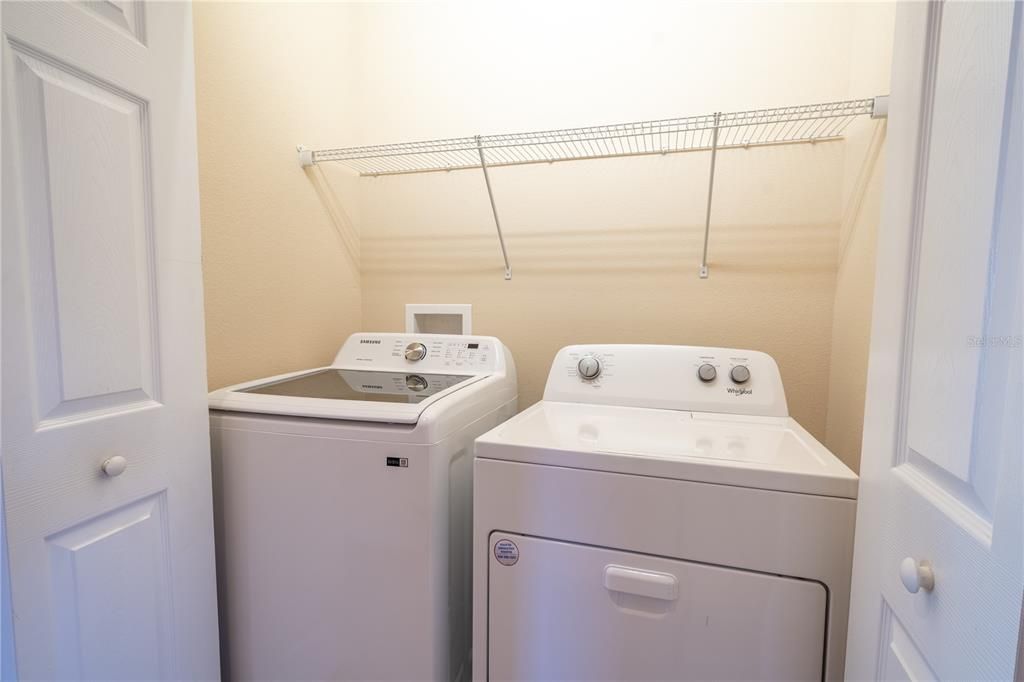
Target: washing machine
343, 501
660, 516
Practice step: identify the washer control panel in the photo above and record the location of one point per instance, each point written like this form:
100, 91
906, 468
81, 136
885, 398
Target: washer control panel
424, 352
691, 378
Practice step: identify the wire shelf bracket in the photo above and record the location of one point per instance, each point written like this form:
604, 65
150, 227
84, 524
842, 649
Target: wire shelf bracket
711, 191
494, 208
809, 123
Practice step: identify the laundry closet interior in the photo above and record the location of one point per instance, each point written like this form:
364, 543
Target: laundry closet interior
449, 341
686, 179
607, 249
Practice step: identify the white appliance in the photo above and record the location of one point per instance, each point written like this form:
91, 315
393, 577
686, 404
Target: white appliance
343, 509
659, 516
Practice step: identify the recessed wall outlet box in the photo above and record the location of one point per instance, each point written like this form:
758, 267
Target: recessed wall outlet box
438, 318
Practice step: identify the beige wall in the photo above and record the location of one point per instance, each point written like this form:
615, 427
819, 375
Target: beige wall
602, 251
281, 282
872, 28
607, 251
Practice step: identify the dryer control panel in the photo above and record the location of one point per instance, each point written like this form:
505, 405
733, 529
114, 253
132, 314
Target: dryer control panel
422, 352
694, 378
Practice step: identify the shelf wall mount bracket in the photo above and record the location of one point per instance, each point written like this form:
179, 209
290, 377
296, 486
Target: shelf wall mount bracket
494, 208
711, 191
307, 158
880, 106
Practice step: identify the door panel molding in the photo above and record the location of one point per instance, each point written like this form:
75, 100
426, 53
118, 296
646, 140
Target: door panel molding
101, 573
902, 660
960, 484
129, 16
97, 243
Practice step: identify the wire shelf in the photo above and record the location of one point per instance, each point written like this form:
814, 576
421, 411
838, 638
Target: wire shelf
709, 132
784, 125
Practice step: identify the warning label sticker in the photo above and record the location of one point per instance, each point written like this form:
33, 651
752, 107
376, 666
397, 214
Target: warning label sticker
506, 552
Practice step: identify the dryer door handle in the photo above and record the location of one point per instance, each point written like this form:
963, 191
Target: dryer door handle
640, 582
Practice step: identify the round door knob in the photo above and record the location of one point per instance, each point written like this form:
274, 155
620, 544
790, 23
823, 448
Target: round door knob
114, 466
917, 575
740, 374
589, 367
415, 351
707, 372
414, 382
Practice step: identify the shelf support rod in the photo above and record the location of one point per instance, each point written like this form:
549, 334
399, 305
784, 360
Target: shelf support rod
494, 208
711, 189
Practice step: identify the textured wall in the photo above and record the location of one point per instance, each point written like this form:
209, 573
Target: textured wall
602, 251
279, 261
607, 251
872, 28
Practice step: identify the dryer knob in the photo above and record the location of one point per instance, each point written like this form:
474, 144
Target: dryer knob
707, 372
588, 367
740, 374
415, 352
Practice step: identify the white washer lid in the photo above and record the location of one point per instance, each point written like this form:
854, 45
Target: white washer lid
770, 453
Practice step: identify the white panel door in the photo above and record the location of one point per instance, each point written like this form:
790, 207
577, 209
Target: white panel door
563, 611
940, 525
111, 571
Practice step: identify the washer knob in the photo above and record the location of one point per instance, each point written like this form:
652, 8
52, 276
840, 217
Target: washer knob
414, 382
589, 367
740, 374
415, 351
707, 372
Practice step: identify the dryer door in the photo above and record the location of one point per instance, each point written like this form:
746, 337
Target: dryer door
560, 611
